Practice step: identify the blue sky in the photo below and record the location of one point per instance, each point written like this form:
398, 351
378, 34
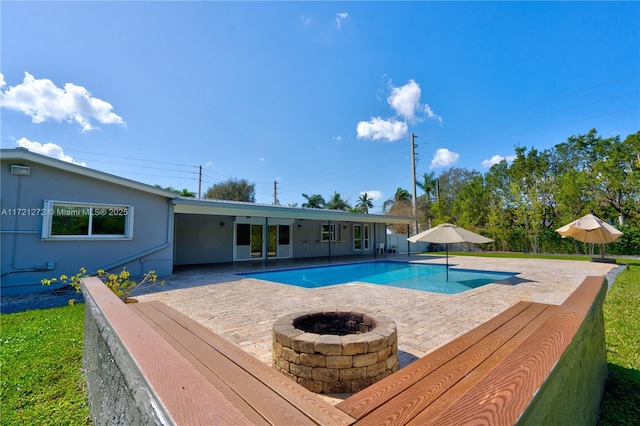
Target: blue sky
318, 96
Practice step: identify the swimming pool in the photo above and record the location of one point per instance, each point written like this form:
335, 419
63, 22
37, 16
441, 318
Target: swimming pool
396, 274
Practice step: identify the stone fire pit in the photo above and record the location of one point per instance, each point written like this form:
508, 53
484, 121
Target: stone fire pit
335, 351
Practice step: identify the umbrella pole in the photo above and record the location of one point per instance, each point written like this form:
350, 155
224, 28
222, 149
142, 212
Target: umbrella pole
447, 246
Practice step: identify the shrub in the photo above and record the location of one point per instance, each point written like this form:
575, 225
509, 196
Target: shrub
120, 284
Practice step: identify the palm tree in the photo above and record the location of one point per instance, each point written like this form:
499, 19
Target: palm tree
401, 197
314, 201
364, 204
187, 194
428, 184
337, 203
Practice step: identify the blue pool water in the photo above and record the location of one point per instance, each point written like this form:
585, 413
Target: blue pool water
396, 274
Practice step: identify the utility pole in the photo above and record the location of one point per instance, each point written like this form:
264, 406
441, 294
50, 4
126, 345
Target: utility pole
200, 182
275, 192
413, 180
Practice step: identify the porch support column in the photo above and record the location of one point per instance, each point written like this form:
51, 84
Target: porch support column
330, 241
265, 243
375, 242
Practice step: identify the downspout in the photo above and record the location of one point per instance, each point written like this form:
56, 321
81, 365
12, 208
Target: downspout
169, 241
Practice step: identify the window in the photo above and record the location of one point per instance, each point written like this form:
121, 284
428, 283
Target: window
68, 220
328, 232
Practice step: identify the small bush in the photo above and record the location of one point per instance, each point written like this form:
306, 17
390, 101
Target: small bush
120, 284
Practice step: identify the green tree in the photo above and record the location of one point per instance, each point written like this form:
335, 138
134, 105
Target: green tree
187, 194
364, 204
399, 205
314, 201
499, 206
233, 190
338, 203
530, 186
428, 184
184, 193
470, 204
450, 184
617, 171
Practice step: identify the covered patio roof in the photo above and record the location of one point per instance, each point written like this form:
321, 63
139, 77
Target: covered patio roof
235, 208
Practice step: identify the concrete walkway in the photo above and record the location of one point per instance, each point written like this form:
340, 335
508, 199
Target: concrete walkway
242, 310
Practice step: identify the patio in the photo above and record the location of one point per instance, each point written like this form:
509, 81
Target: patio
243, 310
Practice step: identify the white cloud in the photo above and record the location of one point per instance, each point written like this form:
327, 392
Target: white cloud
405, 101
337, 138
374, 195
377, 129
497, 159
443, 158
341, 17
42, 100
49, 149
430, 114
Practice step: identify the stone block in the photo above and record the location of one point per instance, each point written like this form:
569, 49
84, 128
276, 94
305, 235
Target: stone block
376, 342
325, 374
281, 364
304, 342
365, 360
328, 344
312, 385
376, 369
301, 370
353, 345
392, 363
384, 353
339, 361
353, 373
284, 336
290, 355
313, 360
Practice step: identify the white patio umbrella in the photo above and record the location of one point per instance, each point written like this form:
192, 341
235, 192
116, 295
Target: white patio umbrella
446, 234
590, 229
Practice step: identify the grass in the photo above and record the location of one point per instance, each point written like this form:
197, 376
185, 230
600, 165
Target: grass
40, 362
621, 400
41, 359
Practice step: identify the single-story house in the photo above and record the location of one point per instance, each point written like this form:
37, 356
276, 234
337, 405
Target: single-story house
56, 217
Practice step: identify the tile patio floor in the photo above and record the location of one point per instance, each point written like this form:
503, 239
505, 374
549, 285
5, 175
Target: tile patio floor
242, 310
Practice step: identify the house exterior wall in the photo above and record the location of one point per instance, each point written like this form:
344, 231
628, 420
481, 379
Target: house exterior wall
203, 239
307, 243
27, 258
206, 238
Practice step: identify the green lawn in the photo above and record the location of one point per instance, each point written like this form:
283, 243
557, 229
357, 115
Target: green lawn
621, 400
41, 359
